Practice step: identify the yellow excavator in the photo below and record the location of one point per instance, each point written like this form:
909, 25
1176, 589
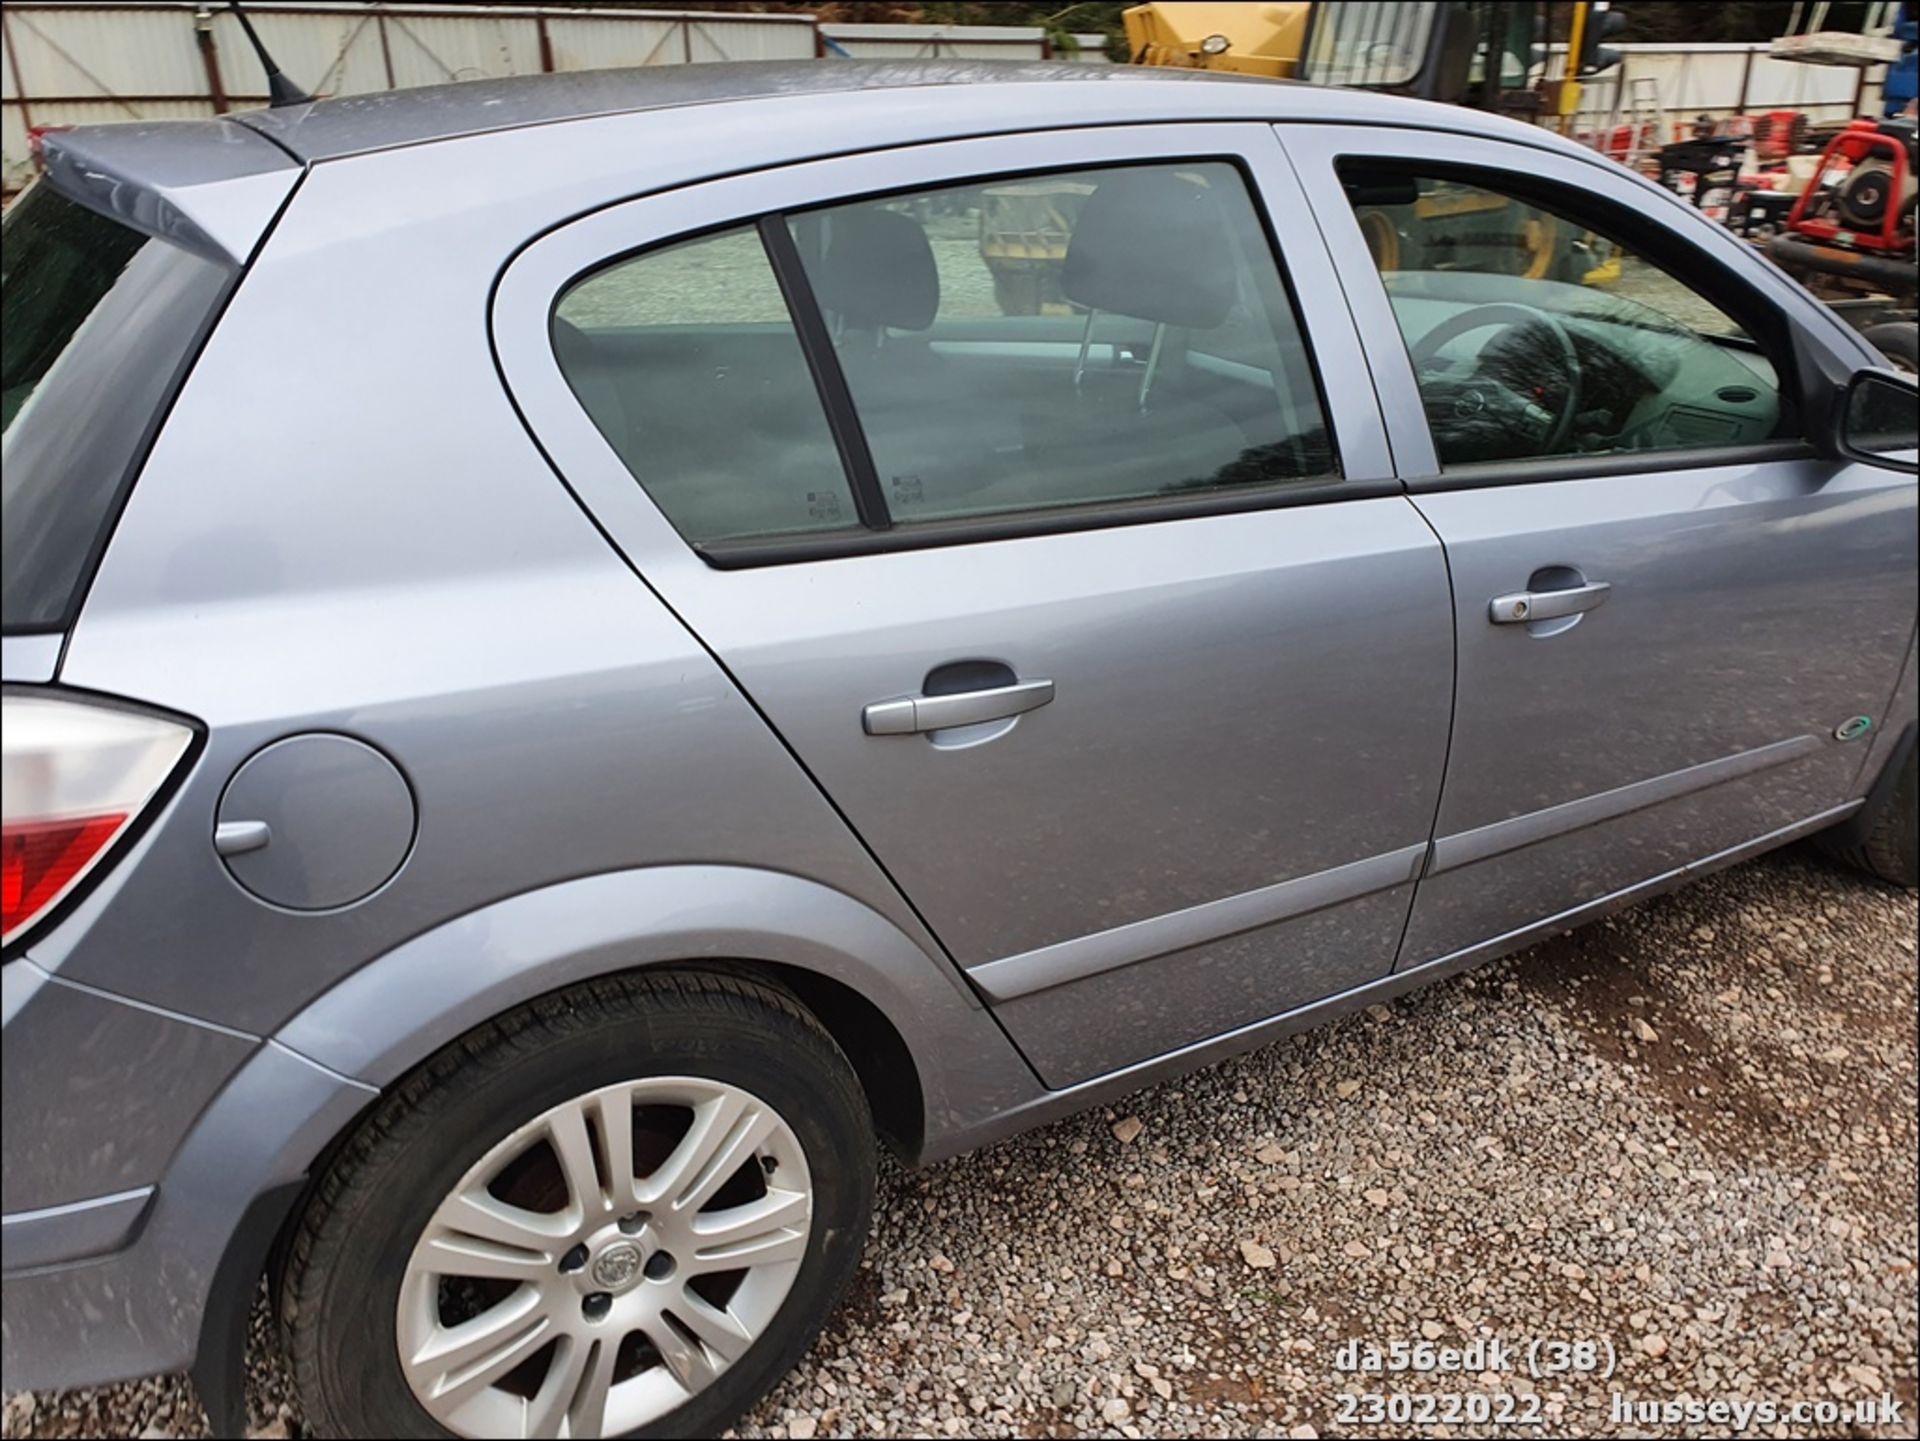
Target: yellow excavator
1244, 39
1486, 54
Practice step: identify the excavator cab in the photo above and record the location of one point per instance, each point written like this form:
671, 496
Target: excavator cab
1404, 48
1237, 38
1484, 54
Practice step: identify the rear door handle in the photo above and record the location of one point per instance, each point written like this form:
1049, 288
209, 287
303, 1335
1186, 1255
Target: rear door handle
1526, 605
938, 712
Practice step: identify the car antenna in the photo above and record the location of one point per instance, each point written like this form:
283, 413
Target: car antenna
280, 90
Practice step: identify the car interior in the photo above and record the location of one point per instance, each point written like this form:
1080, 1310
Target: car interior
1169, 361
1512, 368
1153, 352
1523, 351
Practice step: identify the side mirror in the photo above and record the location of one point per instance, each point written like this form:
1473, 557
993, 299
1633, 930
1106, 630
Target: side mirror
1879, 420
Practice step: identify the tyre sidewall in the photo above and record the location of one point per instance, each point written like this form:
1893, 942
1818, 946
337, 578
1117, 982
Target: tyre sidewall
1899, 341
806, 1082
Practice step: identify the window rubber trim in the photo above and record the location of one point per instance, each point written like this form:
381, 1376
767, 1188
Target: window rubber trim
1052, 520
1547, 469
836, 397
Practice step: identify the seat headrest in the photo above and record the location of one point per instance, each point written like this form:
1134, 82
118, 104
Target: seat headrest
1153, 246
878, 270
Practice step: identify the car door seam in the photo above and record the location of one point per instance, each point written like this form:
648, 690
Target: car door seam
942, 953
1886, 709
1453, 722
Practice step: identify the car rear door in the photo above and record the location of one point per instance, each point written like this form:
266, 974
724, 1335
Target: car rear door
1669, 621
1082, 585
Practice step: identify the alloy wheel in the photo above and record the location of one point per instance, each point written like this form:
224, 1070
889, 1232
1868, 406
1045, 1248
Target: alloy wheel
605, 1262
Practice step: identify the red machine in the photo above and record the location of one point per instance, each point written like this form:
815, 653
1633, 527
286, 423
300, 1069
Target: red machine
1778, 134
1851, 237
1870, 206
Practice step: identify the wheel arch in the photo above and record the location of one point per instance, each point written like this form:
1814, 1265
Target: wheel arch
913, 1029
927, 1054
872, 1044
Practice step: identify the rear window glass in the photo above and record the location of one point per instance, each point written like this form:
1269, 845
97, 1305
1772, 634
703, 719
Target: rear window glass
1064, 339
688, 363
1028, 343
96, 321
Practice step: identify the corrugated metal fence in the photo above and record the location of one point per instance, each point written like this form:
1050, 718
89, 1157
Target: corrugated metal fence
936, 42
1721, 77
85, 63
92, 61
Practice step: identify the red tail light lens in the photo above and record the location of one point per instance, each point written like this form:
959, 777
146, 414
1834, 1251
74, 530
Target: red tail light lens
41, 860
73, 777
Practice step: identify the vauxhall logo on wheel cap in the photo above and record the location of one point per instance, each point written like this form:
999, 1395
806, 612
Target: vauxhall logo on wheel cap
617, 1265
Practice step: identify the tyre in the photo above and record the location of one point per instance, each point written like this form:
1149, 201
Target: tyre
1890, 848
1899, 341
622, 1209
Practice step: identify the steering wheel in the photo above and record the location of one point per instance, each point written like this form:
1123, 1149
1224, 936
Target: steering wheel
1482, 403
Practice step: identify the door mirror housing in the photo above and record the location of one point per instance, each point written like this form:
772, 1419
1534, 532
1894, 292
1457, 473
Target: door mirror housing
1877, 421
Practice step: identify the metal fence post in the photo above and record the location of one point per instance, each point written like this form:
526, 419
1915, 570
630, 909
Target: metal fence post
386, 47
210, 58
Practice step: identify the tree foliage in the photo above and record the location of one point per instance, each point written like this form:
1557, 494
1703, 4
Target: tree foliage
1656, 20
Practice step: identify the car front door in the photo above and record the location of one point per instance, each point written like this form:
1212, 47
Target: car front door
1082, 585
1672, 612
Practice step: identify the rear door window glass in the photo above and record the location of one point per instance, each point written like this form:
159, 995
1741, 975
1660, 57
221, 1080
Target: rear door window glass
1067, 339
687, 361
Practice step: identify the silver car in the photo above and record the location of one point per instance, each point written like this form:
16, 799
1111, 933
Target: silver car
580, 651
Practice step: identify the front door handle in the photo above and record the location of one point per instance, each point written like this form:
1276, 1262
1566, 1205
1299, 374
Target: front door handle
938, 712
1526, 605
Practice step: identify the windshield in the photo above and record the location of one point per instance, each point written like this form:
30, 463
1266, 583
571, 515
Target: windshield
96, 324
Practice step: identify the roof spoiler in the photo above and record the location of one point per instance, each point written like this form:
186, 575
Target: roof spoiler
208, 186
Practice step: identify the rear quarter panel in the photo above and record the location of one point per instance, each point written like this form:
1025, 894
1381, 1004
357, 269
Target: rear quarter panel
345, 527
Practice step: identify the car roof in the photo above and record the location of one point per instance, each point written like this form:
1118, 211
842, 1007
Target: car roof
332, 129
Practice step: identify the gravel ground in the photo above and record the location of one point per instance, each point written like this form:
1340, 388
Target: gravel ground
1688, 1132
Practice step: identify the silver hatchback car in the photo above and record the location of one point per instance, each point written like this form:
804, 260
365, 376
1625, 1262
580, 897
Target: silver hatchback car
674, 623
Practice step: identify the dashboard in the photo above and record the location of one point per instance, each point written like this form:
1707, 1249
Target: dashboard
1643, 381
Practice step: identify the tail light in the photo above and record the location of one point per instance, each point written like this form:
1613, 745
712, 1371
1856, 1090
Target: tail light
74, 778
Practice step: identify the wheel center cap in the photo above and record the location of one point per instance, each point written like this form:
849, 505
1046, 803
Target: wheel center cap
617, 1267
